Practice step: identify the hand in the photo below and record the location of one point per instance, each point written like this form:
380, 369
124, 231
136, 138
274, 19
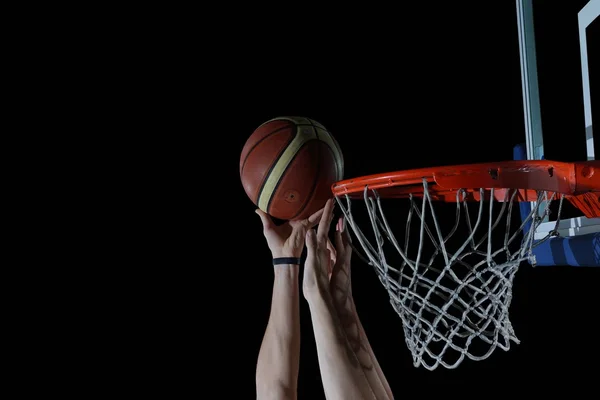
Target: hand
287, 240
319, 259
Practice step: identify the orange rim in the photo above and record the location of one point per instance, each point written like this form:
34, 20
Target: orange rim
527, 176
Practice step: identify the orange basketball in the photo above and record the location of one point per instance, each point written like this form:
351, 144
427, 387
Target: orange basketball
288, 165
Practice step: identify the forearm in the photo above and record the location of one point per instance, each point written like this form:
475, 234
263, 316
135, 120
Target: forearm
344, 304
279, 356
341, 373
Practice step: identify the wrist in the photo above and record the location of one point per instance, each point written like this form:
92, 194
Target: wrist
287, 275
317, 296
286, 269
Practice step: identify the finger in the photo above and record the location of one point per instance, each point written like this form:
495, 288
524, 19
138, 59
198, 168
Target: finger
313, 220
332, 250
340, 247
345, 232
266, 220
339, 227
343, 240
339, 244
325, 220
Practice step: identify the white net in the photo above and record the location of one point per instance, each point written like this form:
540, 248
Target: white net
453, 302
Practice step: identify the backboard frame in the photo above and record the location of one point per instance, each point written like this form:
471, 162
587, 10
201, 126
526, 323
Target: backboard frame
583, 228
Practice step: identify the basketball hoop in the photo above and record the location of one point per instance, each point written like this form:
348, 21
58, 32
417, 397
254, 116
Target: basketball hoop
454, 303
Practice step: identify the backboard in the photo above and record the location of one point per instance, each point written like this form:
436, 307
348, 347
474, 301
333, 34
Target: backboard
557, 76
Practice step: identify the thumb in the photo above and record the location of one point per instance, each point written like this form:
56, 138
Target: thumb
266, 220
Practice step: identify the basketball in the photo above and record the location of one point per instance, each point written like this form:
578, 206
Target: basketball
288, 166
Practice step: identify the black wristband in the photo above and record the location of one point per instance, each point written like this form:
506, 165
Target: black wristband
286, 260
